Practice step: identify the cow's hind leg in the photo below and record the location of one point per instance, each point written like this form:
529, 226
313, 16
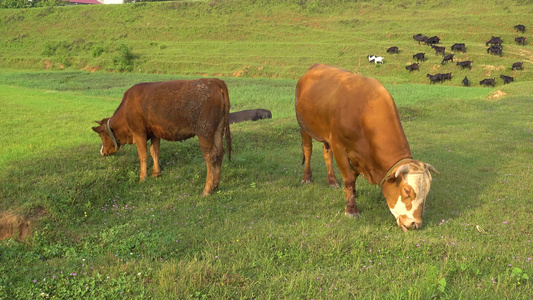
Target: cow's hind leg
218, 145
213, 155
348, 177
307, 147
140, 141
328, 157
154, 151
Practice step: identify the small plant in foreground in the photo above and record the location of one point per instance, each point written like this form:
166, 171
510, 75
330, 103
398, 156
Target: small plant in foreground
519, 276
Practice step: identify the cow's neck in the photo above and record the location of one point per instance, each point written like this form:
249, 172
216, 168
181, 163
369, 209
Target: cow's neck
389, 150
120, 129
376, 171
391, 169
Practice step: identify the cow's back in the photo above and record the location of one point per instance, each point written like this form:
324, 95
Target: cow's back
175, 110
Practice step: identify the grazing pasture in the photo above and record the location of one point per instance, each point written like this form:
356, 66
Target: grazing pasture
262, 233
93, 231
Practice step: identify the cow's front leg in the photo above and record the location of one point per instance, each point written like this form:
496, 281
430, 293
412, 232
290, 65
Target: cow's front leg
348, 177
140, 141
350, 195
154, 151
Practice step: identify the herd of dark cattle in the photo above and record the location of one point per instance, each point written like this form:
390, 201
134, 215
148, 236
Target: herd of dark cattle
495, 48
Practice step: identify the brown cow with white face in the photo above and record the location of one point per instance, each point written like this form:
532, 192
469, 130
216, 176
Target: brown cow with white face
173, 111
358, 123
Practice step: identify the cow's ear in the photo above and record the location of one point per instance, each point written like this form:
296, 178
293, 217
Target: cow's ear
97, 129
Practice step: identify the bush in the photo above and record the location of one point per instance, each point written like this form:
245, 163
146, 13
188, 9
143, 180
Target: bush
14, 3
98, 50
28, 3
65, 48
48, 3
123, 61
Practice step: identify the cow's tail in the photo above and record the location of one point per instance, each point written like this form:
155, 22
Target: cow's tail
295, 102
225, 96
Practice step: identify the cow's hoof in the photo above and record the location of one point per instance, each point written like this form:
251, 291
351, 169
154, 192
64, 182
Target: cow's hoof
306, 181
156, 174
351, 215
334, 185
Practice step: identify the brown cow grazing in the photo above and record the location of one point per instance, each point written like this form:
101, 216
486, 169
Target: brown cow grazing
174, 111
358, 123
249, 115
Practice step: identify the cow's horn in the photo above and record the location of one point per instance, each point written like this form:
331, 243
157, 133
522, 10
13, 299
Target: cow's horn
432, 169
402, 169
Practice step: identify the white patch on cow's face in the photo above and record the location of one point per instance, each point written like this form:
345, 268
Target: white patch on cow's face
107, 146
408, 213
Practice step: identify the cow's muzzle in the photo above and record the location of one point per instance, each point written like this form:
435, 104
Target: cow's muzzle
411, 224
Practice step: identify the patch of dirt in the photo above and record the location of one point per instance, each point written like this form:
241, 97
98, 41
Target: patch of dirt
47, 64
18, 226
490, 68
496, 95
238, 73
243, 72
91, 69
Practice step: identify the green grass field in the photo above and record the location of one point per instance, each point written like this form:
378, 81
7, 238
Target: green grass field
99, 234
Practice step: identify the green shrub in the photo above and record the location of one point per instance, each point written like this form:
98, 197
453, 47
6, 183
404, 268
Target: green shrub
47, 3
98, 50
123, 60
14, 3
27, 3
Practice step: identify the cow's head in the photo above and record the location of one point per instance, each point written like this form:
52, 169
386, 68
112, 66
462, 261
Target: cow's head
110, 144
406, 191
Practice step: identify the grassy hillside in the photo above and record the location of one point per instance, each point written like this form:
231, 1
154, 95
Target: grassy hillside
274, 39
